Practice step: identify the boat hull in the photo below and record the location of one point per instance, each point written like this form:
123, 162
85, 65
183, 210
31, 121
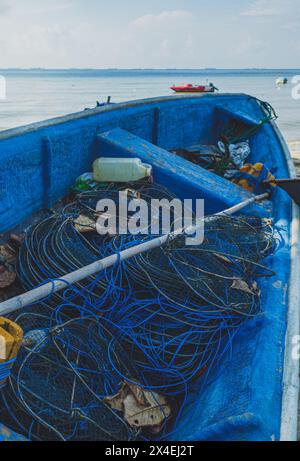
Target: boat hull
252, 395
192, 90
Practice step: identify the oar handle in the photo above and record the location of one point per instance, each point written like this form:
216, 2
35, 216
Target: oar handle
291, 186
281, 181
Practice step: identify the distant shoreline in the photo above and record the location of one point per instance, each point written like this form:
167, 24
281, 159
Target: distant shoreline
153, 70
183, 74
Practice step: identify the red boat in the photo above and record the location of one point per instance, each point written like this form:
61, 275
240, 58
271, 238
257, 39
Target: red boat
189, 88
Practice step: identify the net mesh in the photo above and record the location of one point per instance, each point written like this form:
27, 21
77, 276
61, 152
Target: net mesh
161, 320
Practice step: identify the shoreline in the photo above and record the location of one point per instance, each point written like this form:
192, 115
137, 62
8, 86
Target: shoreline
294, 147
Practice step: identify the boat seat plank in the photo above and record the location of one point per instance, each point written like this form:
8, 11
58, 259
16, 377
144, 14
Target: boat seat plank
238, 115
176, 173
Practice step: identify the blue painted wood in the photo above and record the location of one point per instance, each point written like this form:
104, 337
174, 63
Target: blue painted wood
39, 163
185, 179
6, 435
182, 122
155, 126
47, 168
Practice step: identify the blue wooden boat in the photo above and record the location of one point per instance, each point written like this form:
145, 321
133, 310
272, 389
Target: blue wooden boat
255, 393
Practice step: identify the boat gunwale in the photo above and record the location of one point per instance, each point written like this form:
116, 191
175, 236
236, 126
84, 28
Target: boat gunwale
55, 121
291, 368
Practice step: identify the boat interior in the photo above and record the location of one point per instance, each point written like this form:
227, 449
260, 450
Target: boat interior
42, 161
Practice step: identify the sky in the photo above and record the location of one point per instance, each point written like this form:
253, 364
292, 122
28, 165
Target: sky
150, 33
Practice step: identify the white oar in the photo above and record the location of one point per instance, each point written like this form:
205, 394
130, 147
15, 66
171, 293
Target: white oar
43, 291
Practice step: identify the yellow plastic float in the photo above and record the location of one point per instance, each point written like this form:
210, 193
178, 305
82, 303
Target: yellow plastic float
11, 337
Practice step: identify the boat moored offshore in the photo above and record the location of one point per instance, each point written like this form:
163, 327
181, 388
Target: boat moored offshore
189, 88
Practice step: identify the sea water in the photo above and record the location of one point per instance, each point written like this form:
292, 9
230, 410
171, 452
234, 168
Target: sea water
36, 95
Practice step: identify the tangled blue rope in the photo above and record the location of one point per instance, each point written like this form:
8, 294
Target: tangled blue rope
161, 320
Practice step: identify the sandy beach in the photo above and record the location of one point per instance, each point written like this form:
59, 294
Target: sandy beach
294, 147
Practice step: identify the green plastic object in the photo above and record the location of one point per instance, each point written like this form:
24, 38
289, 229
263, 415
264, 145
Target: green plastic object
84, 183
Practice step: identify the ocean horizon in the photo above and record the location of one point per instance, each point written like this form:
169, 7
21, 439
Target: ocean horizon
152, 71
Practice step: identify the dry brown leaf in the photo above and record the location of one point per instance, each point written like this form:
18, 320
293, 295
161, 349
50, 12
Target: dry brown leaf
141, 408
7, 255
132, 193
241, 285
6, 278
117, 401
141, 416
84, 224
139, 394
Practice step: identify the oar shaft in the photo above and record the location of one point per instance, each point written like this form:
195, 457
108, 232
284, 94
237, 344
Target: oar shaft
242, 205
281, 181
54, 286
43, 291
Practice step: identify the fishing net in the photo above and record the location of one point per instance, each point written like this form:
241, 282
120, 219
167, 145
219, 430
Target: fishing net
62, 377
159, 321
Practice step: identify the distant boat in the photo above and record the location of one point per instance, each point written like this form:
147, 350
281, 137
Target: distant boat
189, 88
282, 81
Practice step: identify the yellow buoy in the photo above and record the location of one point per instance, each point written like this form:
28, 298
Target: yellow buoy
11, 337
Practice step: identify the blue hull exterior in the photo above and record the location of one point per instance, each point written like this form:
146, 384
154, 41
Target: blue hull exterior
39, 163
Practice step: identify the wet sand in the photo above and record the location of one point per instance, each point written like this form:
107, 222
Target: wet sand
294, 147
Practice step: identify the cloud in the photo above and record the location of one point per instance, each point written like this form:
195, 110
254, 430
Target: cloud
4, 7
270, 8
150, 40
55, 7
68, 33
160, 39
161, 19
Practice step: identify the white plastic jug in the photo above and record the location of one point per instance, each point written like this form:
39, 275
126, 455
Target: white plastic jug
120, 169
